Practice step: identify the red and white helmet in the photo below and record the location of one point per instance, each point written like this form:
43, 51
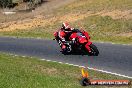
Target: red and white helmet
66, 26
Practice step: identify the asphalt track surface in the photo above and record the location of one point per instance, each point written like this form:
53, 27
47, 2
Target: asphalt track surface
113, 57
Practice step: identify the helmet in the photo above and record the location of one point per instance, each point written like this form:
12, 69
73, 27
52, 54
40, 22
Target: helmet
66, 26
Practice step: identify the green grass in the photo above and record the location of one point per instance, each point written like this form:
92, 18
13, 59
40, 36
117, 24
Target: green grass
96, 5
32, 33
26, 72
41, 32
100, 29
107, 29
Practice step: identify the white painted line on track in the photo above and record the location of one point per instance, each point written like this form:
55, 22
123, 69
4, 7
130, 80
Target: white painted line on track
85, 67
109, 72
60, 62
15, 55
82, 67
91, 69
23, 56
48, 60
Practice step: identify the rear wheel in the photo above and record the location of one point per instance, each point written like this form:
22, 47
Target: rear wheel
94, 50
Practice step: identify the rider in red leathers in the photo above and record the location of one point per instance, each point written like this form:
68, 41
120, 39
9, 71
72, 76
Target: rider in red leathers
64, 33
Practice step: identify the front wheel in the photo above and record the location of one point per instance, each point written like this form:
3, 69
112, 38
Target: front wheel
94, 50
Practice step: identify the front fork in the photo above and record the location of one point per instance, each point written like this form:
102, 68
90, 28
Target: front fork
67, 46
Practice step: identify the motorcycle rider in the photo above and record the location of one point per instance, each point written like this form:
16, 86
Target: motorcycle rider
64, 33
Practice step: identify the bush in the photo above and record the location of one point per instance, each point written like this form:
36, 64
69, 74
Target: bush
11, 4
8, 3
5, 3
34, 3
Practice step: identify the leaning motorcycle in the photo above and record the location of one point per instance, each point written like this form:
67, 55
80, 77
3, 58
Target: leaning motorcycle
79, 41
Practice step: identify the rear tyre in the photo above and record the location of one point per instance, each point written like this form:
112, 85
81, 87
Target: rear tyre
94, 50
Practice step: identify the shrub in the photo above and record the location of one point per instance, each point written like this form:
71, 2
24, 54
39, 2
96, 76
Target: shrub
5, 3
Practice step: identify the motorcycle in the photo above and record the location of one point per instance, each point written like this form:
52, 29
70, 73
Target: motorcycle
79, 41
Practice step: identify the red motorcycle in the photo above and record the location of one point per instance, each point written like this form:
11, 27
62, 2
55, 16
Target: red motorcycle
82, 43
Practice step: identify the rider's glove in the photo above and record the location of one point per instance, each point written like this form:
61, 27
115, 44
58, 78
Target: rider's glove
63, 41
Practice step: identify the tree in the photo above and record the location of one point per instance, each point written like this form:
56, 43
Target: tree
5, 3
34, 3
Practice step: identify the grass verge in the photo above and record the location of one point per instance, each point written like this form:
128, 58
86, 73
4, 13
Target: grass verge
26, 72
100, 29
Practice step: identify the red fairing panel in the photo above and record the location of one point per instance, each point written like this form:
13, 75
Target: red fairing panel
73, 35
82, 40
86, 34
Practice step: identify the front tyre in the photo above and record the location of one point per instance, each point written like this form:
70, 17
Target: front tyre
94, 50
